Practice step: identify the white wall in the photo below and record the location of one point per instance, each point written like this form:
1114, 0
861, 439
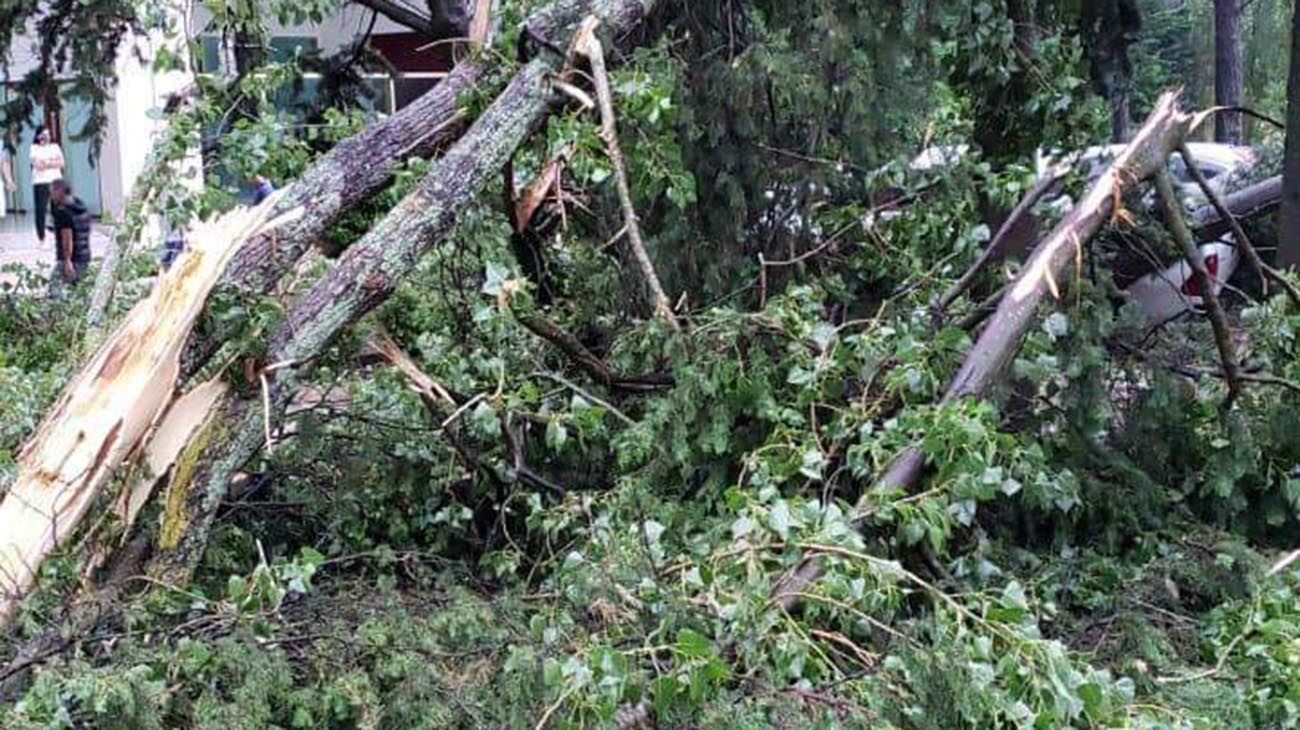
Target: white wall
132, 130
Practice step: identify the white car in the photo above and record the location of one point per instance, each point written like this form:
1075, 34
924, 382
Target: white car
1162, 295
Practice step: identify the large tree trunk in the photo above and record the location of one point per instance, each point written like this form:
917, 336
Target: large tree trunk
108, 409
1227, 69
363, 278
1020, 306
1288, 255
1109, 27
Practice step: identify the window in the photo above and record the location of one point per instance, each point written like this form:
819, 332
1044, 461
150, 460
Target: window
285, 48
209, 55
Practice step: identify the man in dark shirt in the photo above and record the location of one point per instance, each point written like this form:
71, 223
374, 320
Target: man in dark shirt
71, 233
262, 189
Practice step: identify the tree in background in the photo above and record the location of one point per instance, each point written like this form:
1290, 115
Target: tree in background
1110, 28
1289, 218
1227, 68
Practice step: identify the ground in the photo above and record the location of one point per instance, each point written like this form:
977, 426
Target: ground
18, 245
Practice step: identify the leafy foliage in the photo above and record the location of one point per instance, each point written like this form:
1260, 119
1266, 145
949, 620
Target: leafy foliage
538, 544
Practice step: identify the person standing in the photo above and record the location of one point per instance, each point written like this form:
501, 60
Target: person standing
71, 234
47, 167
262, 189
7, 180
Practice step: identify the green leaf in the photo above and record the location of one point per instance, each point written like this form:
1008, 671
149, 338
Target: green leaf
693, 644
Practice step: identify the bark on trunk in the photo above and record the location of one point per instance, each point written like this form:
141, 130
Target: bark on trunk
1227, 69
353, 170
1288, 255
363, 278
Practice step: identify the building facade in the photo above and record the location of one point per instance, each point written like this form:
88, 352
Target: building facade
133, 121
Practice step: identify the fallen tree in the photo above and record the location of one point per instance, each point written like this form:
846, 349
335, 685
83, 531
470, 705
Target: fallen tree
364, 277
106, 412
42, 501
1161, 135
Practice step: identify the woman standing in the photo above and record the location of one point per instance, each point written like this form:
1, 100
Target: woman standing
47, 166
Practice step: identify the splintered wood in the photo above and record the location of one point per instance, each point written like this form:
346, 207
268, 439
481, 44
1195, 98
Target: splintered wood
111, 406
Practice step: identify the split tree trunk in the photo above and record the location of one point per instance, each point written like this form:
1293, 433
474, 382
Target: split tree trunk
52, 497
105, 413
363, 278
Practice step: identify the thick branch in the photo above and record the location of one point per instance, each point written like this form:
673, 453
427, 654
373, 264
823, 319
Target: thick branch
1019, 307
1174, 221
1259, 199
632, 226
994, 249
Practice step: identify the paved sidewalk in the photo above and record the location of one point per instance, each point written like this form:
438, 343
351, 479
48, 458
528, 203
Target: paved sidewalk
18, 245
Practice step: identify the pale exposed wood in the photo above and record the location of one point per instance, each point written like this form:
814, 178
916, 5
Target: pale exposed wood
428, 388
110, 406
481, 25
180, 422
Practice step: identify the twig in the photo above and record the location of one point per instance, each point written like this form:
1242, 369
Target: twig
609, 133
587, 360
1266, 379
1284, 563
1214, 308
1212, 671
580, 391
546, 716
455, 416
1248, 112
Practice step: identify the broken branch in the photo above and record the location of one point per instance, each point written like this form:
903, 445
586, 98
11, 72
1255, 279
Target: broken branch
1177, 226
609, 133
